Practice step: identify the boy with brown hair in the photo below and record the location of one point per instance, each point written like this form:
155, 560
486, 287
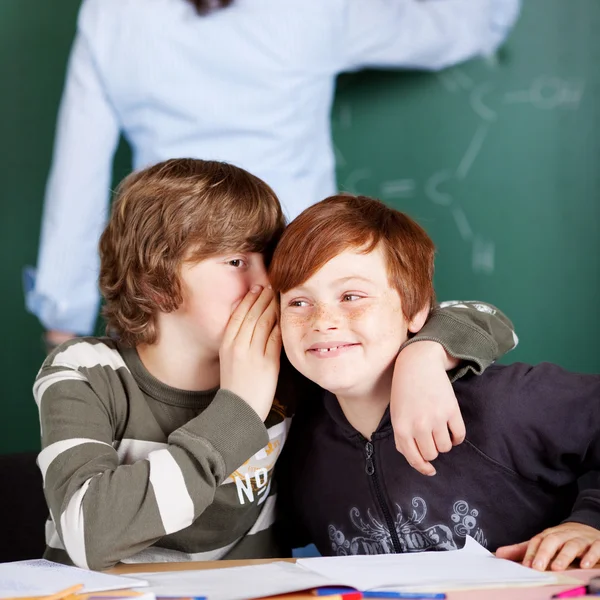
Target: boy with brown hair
355, 282
159, 442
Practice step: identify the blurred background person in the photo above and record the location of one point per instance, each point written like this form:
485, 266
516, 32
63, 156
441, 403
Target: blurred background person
250, 82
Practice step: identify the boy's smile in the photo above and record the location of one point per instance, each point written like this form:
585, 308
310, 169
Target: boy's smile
343, 327
330, 349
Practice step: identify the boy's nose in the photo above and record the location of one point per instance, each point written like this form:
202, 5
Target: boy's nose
325, 318
259, 276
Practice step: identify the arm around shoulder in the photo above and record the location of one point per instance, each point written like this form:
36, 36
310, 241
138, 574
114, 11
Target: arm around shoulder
424, 410
474, 332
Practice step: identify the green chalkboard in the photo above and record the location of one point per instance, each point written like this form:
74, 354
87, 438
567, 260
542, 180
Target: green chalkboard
498, 159
35, 39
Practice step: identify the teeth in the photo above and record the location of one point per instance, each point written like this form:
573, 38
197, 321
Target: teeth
322, 350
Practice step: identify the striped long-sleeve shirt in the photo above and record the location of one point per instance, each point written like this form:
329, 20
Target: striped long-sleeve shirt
137, 471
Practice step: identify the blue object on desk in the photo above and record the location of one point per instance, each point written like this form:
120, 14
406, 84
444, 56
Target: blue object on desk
334, 591
309, 551
180, 597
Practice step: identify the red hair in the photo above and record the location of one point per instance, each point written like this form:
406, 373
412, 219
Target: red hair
342, 222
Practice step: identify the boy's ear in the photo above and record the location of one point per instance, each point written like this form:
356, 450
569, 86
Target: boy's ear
416, 323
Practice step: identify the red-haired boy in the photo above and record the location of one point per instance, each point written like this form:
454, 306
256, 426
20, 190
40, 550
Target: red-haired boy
355, 281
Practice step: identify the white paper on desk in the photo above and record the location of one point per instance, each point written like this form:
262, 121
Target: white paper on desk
471, 567
42, 577
235, 583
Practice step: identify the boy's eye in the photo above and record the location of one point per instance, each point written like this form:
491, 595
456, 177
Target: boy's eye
236, 262
298, 303
350, 297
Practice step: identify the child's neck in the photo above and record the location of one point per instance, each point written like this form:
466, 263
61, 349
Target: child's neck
365, 411
179, 366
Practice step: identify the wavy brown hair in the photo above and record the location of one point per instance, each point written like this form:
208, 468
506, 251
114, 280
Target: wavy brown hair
205, 6
175, 211
345, 222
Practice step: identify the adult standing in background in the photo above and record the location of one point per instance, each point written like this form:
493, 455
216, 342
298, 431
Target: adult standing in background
251, 84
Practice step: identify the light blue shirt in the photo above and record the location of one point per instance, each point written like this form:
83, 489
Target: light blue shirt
252, 84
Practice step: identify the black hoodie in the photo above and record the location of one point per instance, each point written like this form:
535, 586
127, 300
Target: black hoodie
531, 433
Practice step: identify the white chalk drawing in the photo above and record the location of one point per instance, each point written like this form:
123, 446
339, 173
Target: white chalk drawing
491, 60
455, 79
483, 252
477, 99
397, 188
472, 151
460, 218
548, 92
354, 178
433, 184
446, 79
483, 255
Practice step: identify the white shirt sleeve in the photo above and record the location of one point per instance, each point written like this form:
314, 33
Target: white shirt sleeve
63, 292
422, 34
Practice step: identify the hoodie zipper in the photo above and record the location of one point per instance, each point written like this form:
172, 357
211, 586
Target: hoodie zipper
372, 473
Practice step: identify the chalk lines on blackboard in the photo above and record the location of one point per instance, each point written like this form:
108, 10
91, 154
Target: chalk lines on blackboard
433, 183
472, 151
460, 218
392, 189
454, 80
476, 100
354, 178
432, 187
483, 251
548, 92
486, 99
397, 188
483, 255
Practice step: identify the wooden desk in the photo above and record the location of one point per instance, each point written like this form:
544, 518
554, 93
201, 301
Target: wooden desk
123, 569
538, 593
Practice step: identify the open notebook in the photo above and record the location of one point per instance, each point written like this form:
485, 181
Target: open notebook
471, 567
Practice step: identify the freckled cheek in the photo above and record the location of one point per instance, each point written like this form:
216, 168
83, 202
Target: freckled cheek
295, 321
293, 327
357, 313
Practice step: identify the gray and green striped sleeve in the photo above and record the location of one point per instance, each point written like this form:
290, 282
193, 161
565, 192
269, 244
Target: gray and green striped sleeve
475, 332
105, 511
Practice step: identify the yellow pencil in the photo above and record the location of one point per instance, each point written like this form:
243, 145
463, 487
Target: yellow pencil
66, 592
115, 593
58, 596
